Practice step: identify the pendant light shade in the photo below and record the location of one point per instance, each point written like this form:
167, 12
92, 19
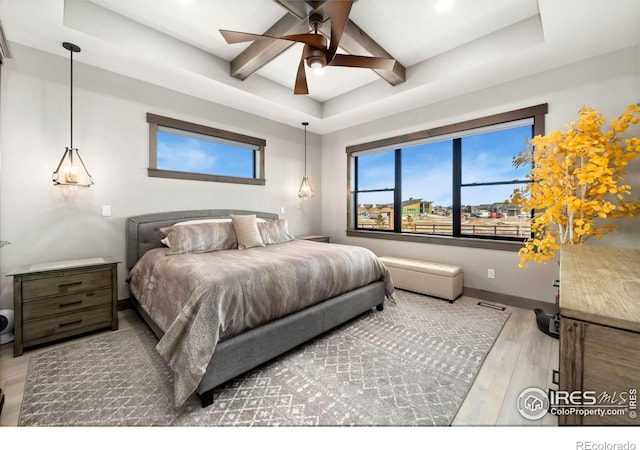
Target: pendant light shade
305, 190
71, 171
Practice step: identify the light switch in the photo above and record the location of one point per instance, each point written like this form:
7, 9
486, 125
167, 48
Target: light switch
106, 210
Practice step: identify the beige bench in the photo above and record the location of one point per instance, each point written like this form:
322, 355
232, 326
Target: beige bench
434, 279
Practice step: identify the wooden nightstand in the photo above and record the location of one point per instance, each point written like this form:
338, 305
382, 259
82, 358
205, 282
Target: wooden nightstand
314, 237
63, 299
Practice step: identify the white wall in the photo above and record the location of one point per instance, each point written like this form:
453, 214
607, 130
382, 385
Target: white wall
111, 132
608, 83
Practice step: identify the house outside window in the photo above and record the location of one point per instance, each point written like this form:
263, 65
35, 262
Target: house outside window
453, 182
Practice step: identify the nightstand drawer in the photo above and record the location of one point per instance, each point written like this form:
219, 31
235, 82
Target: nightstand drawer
66, 325
64, 283
65, 304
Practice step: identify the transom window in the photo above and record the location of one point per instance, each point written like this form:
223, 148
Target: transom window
454, 181
184, 150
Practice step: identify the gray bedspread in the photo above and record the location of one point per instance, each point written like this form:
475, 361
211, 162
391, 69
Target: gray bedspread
200, 299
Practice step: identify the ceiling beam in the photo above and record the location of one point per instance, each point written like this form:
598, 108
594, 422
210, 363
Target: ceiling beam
302, 8
354, 41
5, 52
261, 52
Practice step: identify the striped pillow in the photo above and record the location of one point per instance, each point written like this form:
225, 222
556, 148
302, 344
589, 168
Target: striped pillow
246, 229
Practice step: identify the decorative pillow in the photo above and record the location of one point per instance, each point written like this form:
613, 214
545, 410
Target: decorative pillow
274, 232
200, 238
196, 221
199, 221
165, 240
246, 229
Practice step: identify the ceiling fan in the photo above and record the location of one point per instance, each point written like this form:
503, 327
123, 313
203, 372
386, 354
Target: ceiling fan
319, 52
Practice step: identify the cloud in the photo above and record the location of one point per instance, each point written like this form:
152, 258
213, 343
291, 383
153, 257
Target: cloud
427, 169
186, 158
187, 154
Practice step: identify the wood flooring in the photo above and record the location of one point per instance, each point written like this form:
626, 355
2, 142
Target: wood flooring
521, 357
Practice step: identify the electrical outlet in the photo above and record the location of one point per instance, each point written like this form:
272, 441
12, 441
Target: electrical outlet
491, 273
106, 210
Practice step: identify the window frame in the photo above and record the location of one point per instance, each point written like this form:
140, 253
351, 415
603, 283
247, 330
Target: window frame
537, 113
155, 121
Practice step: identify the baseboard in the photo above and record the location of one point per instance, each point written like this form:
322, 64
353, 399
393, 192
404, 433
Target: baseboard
509, 300
124, 304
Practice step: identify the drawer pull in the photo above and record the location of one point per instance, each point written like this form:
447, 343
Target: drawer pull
66, 305
68, 324
68, 285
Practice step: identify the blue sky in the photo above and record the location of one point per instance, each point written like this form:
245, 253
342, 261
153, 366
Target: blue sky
187, 154
427, 169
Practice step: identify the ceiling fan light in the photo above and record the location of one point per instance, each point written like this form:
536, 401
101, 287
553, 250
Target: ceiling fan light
316, 63
317, 67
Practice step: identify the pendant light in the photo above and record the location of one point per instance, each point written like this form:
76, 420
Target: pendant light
305, 190
71, 171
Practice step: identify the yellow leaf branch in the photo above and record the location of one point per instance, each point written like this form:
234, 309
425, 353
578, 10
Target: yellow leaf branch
576, 181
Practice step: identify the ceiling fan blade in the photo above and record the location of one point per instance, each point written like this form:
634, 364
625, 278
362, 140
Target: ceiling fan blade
339, 11
366, 62
235, 37
301, 79
314, 40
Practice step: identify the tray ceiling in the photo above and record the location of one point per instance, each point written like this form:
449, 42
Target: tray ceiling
476, 44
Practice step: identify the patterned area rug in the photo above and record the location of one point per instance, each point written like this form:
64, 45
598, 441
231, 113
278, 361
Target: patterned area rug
411, 364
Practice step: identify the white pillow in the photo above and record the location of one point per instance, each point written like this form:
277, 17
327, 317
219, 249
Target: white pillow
246, 229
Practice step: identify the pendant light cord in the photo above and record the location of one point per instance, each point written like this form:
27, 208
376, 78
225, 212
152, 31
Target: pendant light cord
305, 151
71, 98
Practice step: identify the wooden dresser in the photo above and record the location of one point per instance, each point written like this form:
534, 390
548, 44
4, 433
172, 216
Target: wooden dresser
63, 299
600, 326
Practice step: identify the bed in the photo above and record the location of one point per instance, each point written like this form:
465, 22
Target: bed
207, 307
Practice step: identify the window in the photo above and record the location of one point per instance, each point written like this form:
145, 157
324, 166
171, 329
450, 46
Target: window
185, 150
454, 181
426, 188
376, 190
488, 179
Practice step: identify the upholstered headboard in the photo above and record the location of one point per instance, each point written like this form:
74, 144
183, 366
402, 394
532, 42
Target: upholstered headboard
143, 232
